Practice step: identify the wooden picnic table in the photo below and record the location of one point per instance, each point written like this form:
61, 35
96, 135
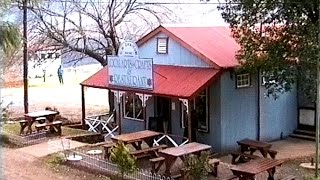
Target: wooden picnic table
173, 153
249, 170
136, 138
253, 145
32, 116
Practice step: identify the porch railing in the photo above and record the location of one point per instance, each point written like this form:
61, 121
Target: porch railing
171, 140
103, 123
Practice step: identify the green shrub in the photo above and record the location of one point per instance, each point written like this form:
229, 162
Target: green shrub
196, 167
56, 159
121, 156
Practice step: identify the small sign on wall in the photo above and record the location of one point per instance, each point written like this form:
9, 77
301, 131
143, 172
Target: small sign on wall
128, 70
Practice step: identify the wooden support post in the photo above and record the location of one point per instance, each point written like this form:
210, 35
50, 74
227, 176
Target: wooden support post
144, 98
189, 122
83, 108
118, 95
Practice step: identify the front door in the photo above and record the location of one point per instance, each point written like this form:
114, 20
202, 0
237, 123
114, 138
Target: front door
161, 121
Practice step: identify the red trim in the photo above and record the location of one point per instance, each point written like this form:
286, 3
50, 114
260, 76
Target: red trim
174, 37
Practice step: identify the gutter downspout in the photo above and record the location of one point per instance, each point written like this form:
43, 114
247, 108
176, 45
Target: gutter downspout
259, 108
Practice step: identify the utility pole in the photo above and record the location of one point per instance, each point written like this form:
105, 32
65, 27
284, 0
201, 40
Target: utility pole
25, 56
318, 103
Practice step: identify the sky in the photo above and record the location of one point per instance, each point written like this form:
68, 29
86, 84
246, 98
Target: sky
197, 12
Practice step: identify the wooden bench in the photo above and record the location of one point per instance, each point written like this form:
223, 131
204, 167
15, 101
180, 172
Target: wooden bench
156, 163
41, 120
242, 157
148, 151
107, 148
214, 163
23, 123
290, 177
272, 153
56, 124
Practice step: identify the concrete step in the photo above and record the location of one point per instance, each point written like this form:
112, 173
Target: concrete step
305, 137
305, 132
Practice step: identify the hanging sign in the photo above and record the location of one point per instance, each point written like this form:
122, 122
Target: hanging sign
128, 70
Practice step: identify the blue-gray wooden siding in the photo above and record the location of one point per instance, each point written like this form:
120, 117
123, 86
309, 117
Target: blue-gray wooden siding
177, 55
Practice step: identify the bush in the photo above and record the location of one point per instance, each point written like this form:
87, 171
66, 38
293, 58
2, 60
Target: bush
121, 156
56, 159
197, 168
4, 111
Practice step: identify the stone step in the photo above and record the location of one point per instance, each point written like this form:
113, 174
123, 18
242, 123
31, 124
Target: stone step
305, 137
304, 132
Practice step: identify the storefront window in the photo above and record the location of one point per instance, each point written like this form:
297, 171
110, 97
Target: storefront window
200, 108
133, 106
199, 112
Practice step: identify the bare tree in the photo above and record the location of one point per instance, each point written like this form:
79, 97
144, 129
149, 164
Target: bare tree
94, 28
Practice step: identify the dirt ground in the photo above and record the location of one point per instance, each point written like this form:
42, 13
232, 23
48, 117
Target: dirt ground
21, 166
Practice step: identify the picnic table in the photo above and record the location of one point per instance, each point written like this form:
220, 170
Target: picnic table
250, 169
173, 153
253, 145
32, 116
136, 138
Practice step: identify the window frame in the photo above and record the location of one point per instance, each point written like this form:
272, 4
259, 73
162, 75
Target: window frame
242, 80
134, 106
167, 43
193, 106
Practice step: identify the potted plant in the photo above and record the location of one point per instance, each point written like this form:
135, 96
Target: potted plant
196, 167
121, 156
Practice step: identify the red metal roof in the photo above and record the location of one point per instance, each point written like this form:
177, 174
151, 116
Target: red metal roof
214, 45
171, 81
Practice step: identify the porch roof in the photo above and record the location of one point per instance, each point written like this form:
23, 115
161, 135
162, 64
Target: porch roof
170, 81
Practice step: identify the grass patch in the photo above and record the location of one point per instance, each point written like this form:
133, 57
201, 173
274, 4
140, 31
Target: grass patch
66, 131
11, 128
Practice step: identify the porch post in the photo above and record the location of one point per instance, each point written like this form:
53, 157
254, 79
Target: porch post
118, 95
83, 108
189, 121
144, 98
187, 104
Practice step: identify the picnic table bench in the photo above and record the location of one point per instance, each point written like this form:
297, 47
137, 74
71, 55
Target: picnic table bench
32, 117
151, 151
250, 169
136, 138
173, 153
238, 157
55, 127
253, 145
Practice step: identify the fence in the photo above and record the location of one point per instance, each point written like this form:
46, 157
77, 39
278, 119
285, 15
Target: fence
98, 163
26, 140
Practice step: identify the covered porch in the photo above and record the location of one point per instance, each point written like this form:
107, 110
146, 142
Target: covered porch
167, 108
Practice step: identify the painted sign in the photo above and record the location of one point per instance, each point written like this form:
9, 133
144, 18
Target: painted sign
128, 70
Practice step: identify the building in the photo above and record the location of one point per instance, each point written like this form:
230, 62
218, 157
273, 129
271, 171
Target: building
44, 59
195, 85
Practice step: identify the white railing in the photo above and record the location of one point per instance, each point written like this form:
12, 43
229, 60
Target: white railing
171, 140
98, 163
96, 121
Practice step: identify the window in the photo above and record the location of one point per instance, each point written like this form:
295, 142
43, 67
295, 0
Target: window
50, 55
162, 45
42, 56
243, 80
133, 107
199, 112
200, 108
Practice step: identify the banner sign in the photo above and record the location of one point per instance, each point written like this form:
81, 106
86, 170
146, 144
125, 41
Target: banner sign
128, 70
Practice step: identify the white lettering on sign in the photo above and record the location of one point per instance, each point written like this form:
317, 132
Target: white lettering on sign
129, 70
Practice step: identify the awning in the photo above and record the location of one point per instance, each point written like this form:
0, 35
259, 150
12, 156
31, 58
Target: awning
169, 81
